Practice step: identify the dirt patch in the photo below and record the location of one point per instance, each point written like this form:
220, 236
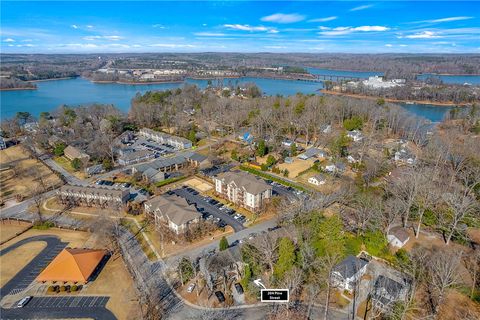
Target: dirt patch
459, 306
115, 281
297, 166
198, 184
15, 260
22, 175
9, 228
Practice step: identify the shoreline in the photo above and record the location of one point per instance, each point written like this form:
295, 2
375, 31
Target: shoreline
52, 79
135, 83
424, 102
449, 74
16, 89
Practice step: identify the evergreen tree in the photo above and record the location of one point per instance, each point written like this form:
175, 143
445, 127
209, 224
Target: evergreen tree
262, 148
223, 245
286, 257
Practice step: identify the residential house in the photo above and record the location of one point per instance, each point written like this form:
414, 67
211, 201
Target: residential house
172, 211
135, 157
178, 143
243, 189
152, 175
404, 156
312, 152
355, 135
3, 145
223, 267
93, 196
53, 140
326, 129
346, 274
287, 143
246, 137
388, 291
95, 169
333, 168
71, 153
398, 237
288, 160
317, 179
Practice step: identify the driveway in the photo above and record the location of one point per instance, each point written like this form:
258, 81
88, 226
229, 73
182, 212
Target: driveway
200, 202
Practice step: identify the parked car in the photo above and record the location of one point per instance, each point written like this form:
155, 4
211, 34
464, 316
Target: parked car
222, 224
239, 288
220, 296
22, 303
234, 243
190, 288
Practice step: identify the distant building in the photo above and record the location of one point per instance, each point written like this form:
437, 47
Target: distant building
312, 152
377, 82
3, 145
398, 237
355, 135
346, 274
95, 169
178, 143
71, 153
172, 211
54, 140
318, 179
333, 168
388, 291
243, 189
246, 137
93, 196
404, 156
198, 160
163, 164
128, 158
152, 175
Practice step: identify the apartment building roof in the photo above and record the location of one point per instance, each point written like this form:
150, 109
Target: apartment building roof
175, 209
94, 189
166, 135
244, 180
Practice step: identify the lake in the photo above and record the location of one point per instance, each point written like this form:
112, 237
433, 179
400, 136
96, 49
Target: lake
452, 79
52, 94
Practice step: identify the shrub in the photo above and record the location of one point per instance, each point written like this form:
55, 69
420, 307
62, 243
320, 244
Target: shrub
51, 289
74, 288
67, 288
354, 123
63, 289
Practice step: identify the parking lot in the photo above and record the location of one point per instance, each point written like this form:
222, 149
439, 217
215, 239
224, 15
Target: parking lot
68, 302
212, 209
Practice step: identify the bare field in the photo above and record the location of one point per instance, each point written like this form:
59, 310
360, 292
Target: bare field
297, 166
22, 174
10, 228
198, 184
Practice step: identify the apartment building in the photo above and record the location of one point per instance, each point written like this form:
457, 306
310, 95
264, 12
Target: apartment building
178, 143
172, 211
127, 158
93, 196
243, 189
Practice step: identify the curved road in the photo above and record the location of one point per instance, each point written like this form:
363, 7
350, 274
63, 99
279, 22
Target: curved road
28, 274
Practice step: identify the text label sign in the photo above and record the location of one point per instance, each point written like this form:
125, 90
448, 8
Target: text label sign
274, 295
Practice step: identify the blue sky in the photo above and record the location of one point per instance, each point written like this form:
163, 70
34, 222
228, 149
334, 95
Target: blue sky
240, 26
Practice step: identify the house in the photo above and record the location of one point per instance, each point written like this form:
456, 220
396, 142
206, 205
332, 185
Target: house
312, 152
152, 175
243, 189
224, 266
135, 157
288, 160
162, 164
287, 143
388, 291
337, 167
125, 137
172, 211
54, 140
326, 129
317, 179
93, 196
355, 135
95, 169
3, 145
404, 156
178, 143
71, 153
246, 137
346, 274
353, 159
73, 265
398, 237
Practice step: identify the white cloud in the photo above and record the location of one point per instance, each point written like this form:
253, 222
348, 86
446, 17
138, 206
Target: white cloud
209, 34
204, 24
158, 25
26, 45
111, 38
347, 30
9, 40
389, 45
403, 45
74, 26
172, 45
362, 7
89, 26
424, 35
449, 19
283, 18
246, 27
323, 19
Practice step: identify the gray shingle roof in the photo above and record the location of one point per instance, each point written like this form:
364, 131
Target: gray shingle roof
244, 180
175, 209
350, 266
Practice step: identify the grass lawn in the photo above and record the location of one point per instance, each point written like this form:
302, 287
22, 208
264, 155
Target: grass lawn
67, 165
21, 174
273, 178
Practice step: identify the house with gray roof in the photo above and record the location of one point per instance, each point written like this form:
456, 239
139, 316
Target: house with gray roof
388, 291
128, 158
243, 189
172, 211
71, 153
178, 143
224, 264
348, 272
398, 237
152, 175
93, 196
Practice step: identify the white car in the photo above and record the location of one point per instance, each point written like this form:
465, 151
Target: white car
23, 302
190, 288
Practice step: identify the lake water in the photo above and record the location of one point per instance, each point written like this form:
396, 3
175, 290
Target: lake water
452, 79
344, 73
52, 94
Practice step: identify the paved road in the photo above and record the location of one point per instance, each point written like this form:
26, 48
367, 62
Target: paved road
49, 307
201, 250
70, 178
20, 210
210, 208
